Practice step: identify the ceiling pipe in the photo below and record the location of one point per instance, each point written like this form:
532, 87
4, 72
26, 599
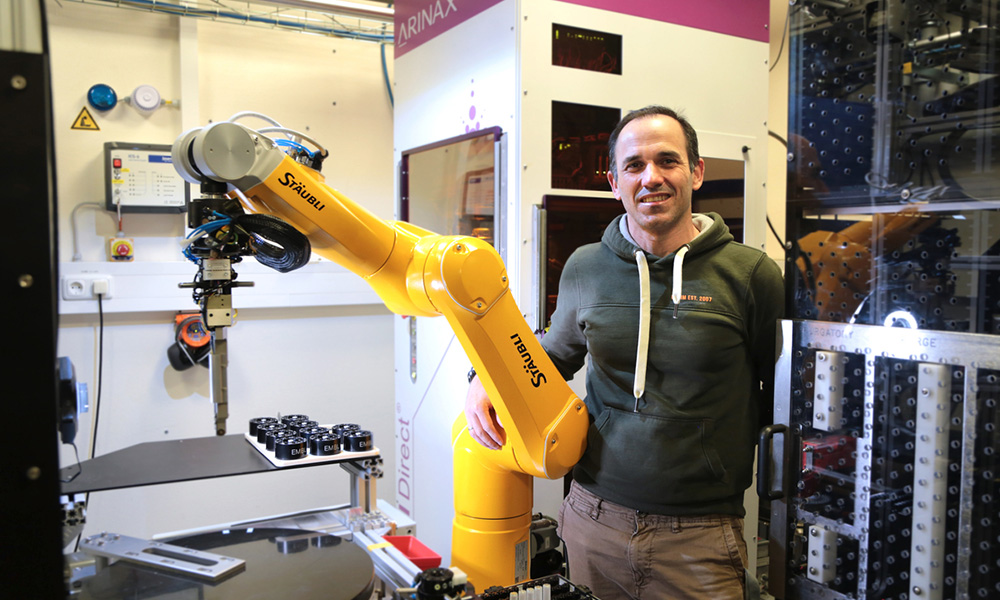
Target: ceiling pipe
341, 8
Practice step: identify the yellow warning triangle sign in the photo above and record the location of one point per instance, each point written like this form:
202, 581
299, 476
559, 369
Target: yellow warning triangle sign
84, 120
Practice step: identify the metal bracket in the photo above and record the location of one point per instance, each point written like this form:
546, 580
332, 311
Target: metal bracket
176, 559
364, 472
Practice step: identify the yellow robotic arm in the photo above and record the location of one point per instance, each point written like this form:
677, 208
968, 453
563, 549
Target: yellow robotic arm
417, 272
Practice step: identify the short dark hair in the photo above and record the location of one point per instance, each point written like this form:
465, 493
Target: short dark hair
689, 133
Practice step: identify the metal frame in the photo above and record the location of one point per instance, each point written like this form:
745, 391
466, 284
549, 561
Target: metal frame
539, 225
364, 473
30, 472
970, 352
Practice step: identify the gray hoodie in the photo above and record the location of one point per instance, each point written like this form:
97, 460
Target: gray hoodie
679, 438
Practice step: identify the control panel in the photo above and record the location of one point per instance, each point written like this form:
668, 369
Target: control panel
142, 178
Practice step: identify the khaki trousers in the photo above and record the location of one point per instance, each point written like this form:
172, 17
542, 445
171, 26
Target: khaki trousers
619, 552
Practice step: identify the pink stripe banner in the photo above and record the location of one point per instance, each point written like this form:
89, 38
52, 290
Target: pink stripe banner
741, 18
418, 21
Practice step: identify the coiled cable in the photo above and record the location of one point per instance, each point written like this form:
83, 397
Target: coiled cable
274, 242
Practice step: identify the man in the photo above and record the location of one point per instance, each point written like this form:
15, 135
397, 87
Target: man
679, 323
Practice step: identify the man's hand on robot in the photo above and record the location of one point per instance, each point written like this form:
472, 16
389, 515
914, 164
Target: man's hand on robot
484, 427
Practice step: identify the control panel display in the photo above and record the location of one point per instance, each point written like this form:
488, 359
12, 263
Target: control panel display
142, 178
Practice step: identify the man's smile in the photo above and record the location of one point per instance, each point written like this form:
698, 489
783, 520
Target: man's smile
654, 197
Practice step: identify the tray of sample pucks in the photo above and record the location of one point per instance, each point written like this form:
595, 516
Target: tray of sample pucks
295, 440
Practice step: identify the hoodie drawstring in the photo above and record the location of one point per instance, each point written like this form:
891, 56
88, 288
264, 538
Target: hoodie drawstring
675, 293
642, 351
639, 385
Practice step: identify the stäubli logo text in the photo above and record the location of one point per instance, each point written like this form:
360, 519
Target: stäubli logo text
288, 180
537, 377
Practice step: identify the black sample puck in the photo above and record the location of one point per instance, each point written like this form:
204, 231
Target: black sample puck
325, 444
304, 424
271, 437
358, 440
260, 421
263, 429
310, 432
290, 448
345, 427
289, 418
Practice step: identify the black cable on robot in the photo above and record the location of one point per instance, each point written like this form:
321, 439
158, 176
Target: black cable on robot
275, 243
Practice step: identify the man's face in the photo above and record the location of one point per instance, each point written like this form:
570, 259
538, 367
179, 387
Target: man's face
654, 180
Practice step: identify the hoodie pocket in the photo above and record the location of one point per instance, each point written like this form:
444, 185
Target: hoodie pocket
655, 460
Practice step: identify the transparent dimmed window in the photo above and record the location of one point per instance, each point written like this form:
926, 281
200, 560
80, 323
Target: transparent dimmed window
451, 187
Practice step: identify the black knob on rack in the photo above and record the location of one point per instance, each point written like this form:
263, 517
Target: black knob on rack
436, 583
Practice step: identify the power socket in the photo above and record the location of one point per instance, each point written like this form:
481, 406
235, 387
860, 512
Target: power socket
86, 286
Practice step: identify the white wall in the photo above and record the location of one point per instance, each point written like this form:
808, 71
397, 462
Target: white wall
330, 359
